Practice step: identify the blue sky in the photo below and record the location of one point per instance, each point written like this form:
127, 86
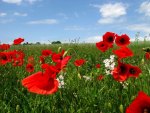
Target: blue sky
64, 20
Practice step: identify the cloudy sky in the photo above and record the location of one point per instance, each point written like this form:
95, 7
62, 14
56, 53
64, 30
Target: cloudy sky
64, 20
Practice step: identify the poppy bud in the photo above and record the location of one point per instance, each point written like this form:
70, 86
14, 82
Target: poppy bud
142, 61
121, 108
109, 105
79, 75
17, 108
59, 49
65, 53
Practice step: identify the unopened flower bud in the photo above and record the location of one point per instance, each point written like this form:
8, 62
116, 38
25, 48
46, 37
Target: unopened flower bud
109, 105
59, 49
17, 108
65, 53
121, 108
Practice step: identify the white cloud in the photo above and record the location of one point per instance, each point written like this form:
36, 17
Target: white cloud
74, 28
13, 1
20, 14
139, 28
18, 2
6, 21
3, 14
110, 12
93, 39
32, 1
44, 21
145, 8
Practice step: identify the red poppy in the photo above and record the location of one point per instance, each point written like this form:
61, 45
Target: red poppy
45, 66
30, 60
147, 55
18, 58
100, 77
123, 52
141, 104
109, 38
46, 53
120, 73
4, 59
29, 67
41, 83
61, 65
102, 46
18, 41
122, 40
18, 62
4, 47
42, 59
79, 62
98, 65
134, 71
57, 57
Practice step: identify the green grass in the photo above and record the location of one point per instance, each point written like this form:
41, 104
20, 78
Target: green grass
79, 95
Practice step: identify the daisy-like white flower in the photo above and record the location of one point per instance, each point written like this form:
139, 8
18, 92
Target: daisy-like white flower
109, 64
61, 81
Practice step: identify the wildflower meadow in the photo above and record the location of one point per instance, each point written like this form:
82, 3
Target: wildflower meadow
110, 76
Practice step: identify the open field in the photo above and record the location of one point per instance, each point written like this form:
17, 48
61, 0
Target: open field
78, 95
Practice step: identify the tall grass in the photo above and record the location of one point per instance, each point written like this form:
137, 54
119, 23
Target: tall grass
79, 95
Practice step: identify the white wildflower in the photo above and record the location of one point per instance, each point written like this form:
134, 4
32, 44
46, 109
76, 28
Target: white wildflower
87, 78
61, 81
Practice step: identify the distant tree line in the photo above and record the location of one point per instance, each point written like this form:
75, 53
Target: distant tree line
38, 43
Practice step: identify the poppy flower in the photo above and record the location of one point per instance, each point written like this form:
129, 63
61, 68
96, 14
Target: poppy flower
123, 52
79, 62
57, 57
134, 71
40, 83
18, 41
46, 53
42, 59
4, 59
61, 65
109, 38
147, 55
18, 62
102, 46
100, 77
30, 60
98, 65
122, 40
29, 67
4, 47
120, 73
141, 104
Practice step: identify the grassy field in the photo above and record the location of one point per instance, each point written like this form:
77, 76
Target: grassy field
78, 95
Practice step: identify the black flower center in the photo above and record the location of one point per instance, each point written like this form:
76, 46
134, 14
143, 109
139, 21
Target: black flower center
102, 45
110, 39
3, 57
122, 40
123, 69
146, 110
132, 71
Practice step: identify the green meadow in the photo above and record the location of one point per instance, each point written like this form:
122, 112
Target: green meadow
78, 95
